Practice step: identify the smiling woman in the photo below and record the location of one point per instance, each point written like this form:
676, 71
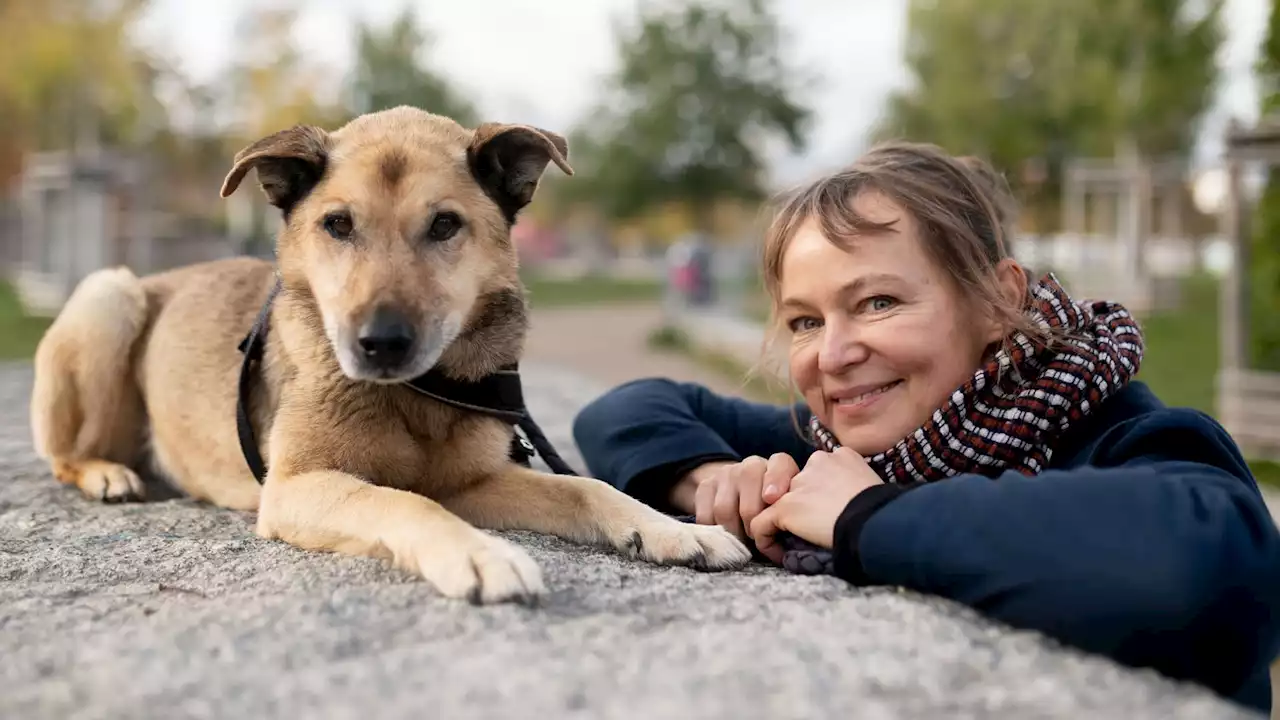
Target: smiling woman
966, 431
887, 308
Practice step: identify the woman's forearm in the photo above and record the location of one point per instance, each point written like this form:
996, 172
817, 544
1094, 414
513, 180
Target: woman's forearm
645, 437
1150, 564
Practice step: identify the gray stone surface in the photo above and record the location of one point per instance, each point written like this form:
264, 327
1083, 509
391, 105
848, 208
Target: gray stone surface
175, 610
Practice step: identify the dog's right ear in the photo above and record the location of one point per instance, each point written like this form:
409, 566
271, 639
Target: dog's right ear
289, 164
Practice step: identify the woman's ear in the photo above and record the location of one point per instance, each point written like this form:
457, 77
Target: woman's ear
1011, 281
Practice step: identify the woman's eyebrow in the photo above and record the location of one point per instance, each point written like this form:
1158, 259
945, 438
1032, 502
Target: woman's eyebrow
849, 289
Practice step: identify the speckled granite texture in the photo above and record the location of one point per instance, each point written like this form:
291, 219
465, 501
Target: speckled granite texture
174, 610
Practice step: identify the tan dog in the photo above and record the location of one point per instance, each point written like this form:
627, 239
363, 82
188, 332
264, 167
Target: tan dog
395, 257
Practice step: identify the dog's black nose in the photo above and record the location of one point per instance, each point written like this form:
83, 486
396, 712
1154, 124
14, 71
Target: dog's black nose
386, 338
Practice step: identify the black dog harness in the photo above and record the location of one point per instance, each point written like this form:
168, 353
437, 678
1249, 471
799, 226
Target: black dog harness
499, 395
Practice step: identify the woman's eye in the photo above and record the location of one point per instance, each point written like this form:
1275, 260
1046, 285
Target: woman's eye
802, 324
444, 226
339, 225
880, 303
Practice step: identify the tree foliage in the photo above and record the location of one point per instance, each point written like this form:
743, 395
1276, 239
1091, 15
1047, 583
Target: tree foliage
1016, 81
1265, 266
391, 69
700, 89
272, 84
68, 70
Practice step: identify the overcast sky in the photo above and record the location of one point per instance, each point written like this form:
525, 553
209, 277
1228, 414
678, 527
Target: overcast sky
538, 61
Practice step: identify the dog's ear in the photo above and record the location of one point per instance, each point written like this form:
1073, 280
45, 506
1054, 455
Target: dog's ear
508, 161
289, 164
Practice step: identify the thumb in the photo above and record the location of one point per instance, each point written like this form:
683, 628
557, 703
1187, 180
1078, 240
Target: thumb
777, 477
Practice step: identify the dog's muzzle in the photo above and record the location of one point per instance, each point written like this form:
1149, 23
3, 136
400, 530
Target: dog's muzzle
388, 347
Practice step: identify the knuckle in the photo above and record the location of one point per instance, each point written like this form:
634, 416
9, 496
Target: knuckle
724, 503
781, 460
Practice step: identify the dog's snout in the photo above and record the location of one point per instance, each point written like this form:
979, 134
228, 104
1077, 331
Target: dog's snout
386, 338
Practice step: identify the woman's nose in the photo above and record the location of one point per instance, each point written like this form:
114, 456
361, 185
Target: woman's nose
840, 349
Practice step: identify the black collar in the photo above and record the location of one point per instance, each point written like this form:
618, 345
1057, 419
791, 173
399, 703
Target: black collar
498, 395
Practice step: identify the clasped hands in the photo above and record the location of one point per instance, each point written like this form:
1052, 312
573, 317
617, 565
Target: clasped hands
758, 498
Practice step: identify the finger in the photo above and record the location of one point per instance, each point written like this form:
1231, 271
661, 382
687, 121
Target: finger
845, 451
764, 529
704, 499
777, 477
750, 500
725, 509
817, 458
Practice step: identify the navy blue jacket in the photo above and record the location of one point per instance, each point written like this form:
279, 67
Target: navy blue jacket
1146, 539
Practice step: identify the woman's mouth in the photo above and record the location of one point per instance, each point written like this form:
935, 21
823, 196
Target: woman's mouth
859, 399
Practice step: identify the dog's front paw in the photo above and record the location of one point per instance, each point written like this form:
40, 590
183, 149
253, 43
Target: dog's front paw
667, 541
481, 568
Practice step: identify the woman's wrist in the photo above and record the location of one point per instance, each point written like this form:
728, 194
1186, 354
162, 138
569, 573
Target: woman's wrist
848, 528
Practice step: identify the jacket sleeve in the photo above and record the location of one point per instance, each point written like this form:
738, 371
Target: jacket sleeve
1163, 555
643, 435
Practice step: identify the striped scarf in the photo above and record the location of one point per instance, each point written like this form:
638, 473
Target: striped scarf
1010, 414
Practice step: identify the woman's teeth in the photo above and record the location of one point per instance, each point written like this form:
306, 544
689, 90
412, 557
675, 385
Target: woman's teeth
864, 396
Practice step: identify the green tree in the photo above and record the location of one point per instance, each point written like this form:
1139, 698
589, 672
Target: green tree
272, 85
70, 72
1019, 81
700, 89
1265, 268
391, 69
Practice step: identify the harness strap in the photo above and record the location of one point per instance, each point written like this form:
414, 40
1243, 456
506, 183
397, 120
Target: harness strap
252, 346
498, 395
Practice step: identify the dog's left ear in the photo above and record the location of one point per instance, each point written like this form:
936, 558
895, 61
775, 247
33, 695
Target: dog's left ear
289, 164
508, 161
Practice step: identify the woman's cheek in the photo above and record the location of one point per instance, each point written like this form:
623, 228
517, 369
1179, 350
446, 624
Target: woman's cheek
807, 379
803, 361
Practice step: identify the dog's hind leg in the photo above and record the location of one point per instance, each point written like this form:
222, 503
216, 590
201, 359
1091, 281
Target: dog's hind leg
87, 414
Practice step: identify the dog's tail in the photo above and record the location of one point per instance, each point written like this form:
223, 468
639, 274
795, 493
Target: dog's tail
85, 403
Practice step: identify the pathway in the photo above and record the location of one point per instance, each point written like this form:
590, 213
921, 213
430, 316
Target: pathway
607, 343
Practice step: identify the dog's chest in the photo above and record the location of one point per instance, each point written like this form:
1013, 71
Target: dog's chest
453, 448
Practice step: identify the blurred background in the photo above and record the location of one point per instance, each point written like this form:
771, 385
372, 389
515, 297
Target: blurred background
1135, 132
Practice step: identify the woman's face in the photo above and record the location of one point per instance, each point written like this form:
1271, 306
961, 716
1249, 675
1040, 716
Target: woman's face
879, 337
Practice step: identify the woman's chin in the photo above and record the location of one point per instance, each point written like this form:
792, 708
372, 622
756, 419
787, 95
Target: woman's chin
864, 441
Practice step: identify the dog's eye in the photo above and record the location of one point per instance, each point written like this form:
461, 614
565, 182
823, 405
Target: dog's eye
339, 225
444, 226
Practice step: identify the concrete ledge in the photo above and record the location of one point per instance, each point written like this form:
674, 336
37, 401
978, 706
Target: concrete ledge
176, 610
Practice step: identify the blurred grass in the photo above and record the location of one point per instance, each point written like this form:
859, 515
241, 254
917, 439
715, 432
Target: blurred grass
591, 290
19, 334
1181, 358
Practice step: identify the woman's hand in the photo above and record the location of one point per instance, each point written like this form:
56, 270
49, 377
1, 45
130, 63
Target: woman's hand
731, 495
817, 496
